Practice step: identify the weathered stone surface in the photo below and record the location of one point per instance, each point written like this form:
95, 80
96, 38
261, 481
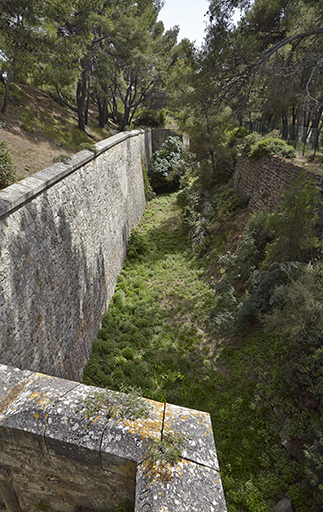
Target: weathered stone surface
265, 180
63, 238
196, 425
50, 451
52, 174
187, 486
283, 505
70, 434
24, 421
10, 378
9, 498
128, 439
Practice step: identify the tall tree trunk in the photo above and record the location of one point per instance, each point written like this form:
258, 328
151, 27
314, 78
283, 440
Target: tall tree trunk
285, 125
80, 101
103, 112
8, 82
126, 116
87, 101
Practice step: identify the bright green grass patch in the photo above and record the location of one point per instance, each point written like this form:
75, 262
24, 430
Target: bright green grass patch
155, 336
154, 332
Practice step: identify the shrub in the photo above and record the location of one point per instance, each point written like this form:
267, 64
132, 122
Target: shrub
7, 167
271, 146
138, 244
248, 142
149, 193
222, 169
151, 118
297, 223
272, 252
167, 450
237, 133
255, 146
164, 171
229, 201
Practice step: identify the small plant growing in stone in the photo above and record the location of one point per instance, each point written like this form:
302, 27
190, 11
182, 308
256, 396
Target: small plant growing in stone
65, 159
42, 506
89, 146
129, 405
168, 449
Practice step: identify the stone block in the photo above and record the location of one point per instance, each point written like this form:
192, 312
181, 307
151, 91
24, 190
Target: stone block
186, 486
125, 440
196, 425
69, 433
23, 422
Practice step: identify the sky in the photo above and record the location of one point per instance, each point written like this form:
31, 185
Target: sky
189, 15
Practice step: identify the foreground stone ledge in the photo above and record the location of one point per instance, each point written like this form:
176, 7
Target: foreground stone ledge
186, 487
67, 459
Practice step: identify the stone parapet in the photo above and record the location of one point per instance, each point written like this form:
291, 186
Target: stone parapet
51, 454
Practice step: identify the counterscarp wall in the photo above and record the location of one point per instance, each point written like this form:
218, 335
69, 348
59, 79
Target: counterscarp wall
63, 238
265, 179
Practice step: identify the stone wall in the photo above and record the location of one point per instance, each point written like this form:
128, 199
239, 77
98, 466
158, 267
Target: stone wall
52, 456
63, 238
159, 136
265, 179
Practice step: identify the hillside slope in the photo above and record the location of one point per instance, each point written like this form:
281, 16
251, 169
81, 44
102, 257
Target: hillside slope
39, 130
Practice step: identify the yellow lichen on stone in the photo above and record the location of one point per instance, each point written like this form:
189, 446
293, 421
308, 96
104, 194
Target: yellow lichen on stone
34, 394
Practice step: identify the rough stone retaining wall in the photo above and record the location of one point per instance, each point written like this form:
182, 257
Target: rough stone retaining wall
63, 237
158, 137
265, 179
51, 454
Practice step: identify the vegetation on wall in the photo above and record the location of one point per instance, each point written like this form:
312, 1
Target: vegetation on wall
7, 168
168, 165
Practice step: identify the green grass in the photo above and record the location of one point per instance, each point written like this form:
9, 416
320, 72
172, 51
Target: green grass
155, 335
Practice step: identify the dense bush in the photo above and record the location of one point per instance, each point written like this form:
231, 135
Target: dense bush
151, 118
271, 284
199, 209
7, 168
220, 170
236, 134
296, 226
273, 248
165, 169
255, 146
298, 316
228, 201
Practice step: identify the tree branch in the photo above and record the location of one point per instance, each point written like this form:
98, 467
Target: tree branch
64, 101
268, 53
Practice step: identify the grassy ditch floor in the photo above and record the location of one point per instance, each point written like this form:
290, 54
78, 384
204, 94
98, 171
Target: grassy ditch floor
155, 336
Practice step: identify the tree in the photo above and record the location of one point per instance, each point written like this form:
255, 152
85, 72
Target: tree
135, 62
22, 36
276, 46
78, 35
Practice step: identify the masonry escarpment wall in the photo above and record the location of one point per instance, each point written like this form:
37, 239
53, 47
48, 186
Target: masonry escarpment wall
63, 238
265, 179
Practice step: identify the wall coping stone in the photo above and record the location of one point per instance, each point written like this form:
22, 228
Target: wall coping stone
19, 193
43, 413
